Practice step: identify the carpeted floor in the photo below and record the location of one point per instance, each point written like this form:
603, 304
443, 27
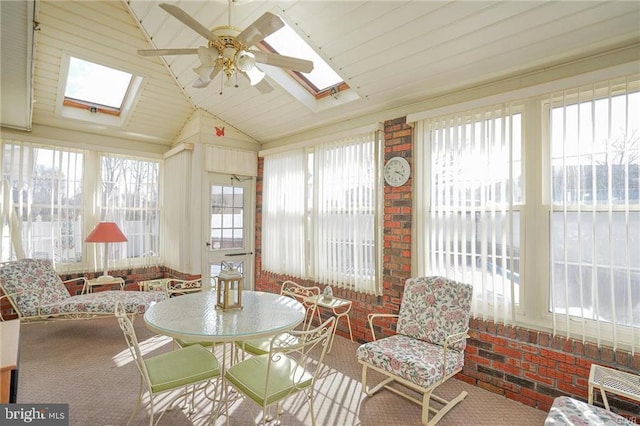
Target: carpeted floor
87, 365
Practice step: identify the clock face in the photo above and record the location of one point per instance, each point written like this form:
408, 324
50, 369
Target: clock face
396, 171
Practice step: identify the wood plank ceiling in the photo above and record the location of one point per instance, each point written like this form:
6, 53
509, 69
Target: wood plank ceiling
391, 53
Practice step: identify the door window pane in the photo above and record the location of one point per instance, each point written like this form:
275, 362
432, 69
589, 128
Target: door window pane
227, 211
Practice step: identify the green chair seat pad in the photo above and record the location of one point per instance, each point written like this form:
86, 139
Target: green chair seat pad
286, 376
184, 343
181, 367
262, 346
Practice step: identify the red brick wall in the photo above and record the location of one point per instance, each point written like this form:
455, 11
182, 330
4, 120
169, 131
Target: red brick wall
524, 365
534, 367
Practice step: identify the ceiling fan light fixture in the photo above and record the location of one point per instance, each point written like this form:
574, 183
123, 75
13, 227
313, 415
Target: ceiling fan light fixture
200, 84
203, 72
228, 53
245, 60
207, 56
255, 75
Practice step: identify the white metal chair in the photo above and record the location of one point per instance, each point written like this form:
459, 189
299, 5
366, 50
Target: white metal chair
192, 366
176, 287
286, 369
429, 345
298, 292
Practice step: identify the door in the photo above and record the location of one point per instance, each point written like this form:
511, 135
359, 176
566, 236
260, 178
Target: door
231, 226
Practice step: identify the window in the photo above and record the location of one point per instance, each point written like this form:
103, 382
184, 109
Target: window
342, 213
129, 196
470, 217
537, 204
86, 87
50, 208
595, 207
43, 217
284, 219
323, 80
97, 93
320, 208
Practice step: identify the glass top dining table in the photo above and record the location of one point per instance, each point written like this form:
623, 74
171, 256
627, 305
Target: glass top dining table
195, 317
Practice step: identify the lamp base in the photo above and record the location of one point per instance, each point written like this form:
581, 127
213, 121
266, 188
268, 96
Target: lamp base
104, 278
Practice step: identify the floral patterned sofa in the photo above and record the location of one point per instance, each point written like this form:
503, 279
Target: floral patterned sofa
429, 345
36, 292
569, 411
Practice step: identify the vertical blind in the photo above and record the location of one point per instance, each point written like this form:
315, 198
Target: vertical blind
594, 134
42, 203
467, 220
130, 196
283, 213
343, 214
319, 213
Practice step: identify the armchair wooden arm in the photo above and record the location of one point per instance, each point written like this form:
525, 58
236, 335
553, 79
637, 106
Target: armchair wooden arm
448, 341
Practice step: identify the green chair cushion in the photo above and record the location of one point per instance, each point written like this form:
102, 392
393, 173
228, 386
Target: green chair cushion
181, 367
184, 343
286, 376
261, 346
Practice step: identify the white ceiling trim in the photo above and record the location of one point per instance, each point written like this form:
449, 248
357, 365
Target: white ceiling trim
326, 138
530, 92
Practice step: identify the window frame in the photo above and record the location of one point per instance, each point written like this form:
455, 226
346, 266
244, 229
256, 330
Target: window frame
536, 208
90, 212
77, 109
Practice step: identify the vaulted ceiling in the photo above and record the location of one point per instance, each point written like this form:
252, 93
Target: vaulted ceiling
393, 54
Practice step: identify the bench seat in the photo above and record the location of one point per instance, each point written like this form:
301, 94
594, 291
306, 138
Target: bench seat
36, 292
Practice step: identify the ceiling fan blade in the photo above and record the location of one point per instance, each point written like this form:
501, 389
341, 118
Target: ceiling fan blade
262, 27
295, 64
162, 52
264, 86
189, 21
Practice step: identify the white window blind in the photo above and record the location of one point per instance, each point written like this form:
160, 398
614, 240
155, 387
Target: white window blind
467, 217
42, 203
319, 213
343, 213
283, 213
129, 196
594, 134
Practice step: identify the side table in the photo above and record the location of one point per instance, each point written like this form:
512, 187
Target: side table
102, 281
340, 309
615, 381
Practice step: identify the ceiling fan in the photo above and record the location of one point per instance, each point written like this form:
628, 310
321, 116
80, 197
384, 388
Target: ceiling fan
228, 50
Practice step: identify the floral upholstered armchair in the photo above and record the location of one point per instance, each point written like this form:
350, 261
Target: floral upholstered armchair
36, 292
429, 345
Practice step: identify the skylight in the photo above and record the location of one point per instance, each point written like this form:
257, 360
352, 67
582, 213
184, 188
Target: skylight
96, 85
95, 93
287, 42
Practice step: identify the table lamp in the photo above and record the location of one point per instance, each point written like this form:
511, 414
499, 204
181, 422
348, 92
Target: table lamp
106, 232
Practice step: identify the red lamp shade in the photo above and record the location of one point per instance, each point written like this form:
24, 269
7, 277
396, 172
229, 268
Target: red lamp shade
106, 232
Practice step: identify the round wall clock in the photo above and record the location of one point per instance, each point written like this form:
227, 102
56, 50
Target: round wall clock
397, 171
